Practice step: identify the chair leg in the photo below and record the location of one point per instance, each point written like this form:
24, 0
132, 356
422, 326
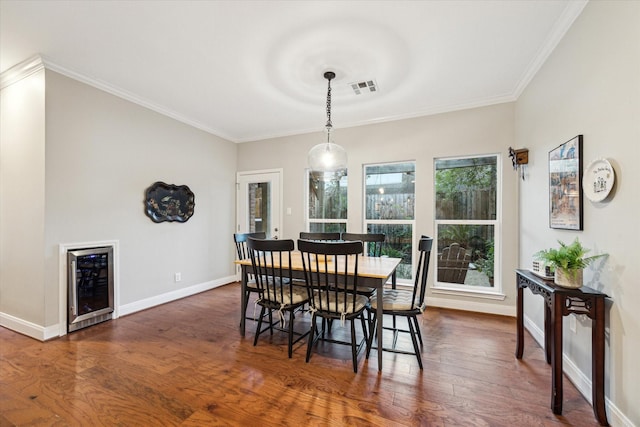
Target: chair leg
372, 328
415, 319
354, 356
255, 339
246, 304
312, 334
364, 329
291, 317
415, 341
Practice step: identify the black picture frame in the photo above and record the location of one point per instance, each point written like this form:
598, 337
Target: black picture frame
168, 202
565, 185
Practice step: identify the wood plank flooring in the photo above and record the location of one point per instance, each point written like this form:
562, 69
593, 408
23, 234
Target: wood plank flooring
185, 364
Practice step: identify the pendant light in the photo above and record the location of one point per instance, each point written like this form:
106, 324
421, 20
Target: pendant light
328, 159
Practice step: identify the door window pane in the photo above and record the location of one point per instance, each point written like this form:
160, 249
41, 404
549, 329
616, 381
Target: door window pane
259, 207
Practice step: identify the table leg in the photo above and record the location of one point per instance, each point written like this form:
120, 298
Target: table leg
548, 332
519, 325
379, 315
243, 300
556, 354
393, 286
597, 363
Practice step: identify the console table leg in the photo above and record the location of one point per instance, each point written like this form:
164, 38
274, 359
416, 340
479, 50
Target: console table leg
597, 363
556, 353
519, 325
548, 333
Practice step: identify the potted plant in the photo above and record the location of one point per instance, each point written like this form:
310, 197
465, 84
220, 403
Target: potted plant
485, 265
568, 262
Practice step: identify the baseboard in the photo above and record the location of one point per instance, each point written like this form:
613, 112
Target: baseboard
42, 333
27, 328
579, 379
477, 306
172, 296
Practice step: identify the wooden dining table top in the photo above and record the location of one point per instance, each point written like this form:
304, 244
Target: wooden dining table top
373, 267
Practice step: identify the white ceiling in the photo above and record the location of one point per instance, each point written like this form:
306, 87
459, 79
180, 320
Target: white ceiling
249, 70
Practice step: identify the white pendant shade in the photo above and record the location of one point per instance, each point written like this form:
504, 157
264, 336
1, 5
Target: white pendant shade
328, 157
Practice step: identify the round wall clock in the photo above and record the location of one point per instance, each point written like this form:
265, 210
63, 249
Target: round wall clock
598, 180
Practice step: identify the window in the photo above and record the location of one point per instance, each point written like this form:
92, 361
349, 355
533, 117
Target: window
327, 204
389, 209
466, 210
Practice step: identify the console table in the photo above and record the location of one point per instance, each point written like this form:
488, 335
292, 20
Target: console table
561, 302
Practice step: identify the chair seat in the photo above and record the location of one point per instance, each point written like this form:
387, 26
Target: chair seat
395, 300
341, 306
298, 295
363, 290
251, 284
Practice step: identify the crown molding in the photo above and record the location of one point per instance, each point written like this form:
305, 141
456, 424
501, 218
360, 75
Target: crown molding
572, 10
21, 70
39, 62
124, 94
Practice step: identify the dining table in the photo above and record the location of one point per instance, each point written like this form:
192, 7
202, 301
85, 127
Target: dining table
373, 272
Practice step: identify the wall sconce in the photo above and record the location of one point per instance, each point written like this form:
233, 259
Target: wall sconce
520, 158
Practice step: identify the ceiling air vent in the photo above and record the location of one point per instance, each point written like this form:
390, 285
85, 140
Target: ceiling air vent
365, 86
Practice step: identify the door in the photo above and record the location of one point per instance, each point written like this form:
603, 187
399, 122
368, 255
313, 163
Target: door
259, 202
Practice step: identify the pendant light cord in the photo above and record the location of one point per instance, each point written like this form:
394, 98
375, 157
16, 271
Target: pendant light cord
329, 75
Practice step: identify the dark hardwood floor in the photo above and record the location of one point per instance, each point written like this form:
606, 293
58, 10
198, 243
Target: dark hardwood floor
185, 364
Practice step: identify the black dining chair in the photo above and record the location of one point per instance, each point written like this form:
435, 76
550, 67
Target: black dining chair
372, 242
407, 303
372, 246
240, 240
322, 237
278, 291
331, 275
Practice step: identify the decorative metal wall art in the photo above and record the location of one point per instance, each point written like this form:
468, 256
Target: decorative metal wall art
565, 185
520, 158
168, 202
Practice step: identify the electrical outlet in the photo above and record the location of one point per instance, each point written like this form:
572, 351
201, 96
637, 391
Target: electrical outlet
178, 277
572, 323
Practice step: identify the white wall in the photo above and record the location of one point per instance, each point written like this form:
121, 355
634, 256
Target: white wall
100, 155
478, 131
591, 86
22, 210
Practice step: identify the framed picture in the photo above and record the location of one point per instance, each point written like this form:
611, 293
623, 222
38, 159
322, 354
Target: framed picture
565, 185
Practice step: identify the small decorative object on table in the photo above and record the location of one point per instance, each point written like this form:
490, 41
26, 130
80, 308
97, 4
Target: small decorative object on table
168, 202
568, 261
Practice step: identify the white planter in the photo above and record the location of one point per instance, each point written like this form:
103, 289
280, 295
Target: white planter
568, 279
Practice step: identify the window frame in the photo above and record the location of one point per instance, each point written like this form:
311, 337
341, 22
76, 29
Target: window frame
366, 222
308, 221
496, 291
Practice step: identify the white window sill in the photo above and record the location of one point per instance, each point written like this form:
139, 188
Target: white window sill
469, 292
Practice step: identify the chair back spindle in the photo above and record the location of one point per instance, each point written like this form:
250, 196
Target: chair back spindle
373, 242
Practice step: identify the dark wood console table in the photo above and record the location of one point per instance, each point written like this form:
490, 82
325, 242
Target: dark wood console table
561, 302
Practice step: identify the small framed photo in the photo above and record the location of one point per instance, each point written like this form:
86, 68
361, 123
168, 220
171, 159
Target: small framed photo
565, 185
